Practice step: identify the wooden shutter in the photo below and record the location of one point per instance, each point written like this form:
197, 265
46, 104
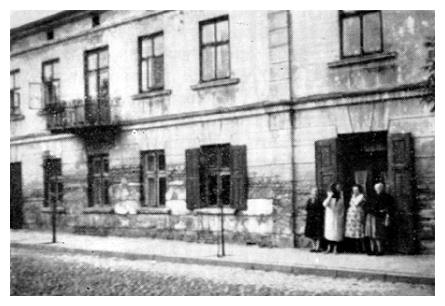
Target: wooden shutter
238, 184
402, 187
192, 157
326, 162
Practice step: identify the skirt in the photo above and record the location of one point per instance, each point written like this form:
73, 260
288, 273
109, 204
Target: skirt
355, 223
375, 227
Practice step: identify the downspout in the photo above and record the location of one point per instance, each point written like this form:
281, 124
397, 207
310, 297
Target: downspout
292, 133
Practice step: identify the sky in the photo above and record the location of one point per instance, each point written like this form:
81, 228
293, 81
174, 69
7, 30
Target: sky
18, 18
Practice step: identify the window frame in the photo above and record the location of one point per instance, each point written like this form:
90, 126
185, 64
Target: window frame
151, 37
99, 69
53, 80
354, 14
214, 45
156, 174
15, 106
219, 170
53, 175
103, 175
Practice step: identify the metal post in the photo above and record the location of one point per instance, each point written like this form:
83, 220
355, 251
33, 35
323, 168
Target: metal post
223, 251
53, 220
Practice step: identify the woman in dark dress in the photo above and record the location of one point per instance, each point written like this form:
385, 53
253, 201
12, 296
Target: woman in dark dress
315, 219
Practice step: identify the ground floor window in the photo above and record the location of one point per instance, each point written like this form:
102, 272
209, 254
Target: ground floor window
154, 178
216, 176
53, 182
98, 180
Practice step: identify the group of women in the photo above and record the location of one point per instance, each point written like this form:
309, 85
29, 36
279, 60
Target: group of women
364, 224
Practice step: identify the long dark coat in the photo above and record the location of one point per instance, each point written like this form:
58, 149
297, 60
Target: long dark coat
314, 219
377, 210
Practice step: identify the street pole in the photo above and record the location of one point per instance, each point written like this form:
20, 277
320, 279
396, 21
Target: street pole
223, 251
53, 218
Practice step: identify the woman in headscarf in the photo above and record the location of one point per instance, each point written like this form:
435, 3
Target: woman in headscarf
334, 218
314, 219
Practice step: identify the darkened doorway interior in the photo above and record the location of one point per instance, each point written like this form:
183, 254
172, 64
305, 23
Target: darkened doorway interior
367, 158
15, 196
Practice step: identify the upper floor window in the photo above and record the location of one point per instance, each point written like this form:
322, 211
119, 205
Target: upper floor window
151, 62
95, 20
96, 74
360, 33
14, 92
50, 34
214, 49
50, 82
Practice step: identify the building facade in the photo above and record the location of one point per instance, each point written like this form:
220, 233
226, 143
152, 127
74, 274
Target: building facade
152, 123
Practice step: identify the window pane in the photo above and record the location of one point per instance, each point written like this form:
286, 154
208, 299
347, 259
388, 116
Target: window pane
97, 166
47, 72
212, 157
158, 71
92, 85
213, 190
151, 192
208, 63
92, 61
103, 83
161, 160
225, 156
55, 70
222, 30
146, 48
162, 190
371, 32
225, 189
103, 59
222, 57
151, 162
104, 192
159, 45
351, 36
208, 33
144, 75
150, 72
16, 100
11, 81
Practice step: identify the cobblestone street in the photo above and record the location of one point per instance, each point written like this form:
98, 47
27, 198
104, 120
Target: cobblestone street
42, 273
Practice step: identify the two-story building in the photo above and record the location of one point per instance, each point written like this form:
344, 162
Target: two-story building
150, 123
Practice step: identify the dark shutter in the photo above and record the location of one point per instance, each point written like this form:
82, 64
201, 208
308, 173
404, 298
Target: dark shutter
142, 180
90, 182
192, 178
402, 186
326, 163
238, 184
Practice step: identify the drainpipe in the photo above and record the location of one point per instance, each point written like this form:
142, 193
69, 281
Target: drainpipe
292, 133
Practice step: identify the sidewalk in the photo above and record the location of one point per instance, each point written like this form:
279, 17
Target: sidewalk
413, 269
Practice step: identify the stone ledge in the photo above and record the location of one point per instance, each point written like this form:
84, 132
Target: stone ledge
216, 83
98, 210
49, 210
152, 94
154, 211
359, 60
214, 211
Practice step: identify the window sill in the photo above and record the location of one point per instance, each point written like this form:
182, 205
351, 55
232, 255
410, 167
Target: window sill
154, 210
360, 60
98, 210
214, 211
49, 210
216, 83
152, 94
17, 117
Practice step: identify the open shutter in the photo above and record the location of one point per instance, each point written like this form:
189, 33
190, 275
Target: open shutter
238, 184
192, 178
326, 162
402, 187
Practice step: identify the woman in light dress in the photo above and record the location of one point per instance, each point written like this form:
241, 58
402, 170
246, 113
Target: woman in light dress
334, 218
355, 219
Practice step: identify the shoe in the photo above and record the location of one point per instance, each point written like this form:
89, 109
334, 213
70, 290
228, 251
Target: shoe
313, 251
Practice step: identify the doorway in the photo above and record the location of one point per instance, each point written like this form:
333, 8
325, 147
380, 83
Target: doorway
15, 196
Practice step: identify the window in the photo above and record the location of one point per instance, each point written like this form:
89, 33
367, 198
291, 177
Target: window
14, 92
53, 182
95, 20
151, 62
154, 178
216, 175
215, 49
360, 33
50, 35
96, 74
50, 81
98, 180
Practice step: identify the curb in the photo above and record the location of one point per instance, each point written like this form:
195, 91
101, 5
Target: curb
296, 270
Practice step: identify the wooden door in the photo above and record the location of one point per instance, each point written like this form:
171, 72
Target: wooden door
403, 188
15, 196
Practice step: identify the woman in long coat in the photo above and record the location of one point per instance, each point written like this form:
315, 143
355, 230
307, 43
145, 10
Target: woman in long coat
334, 218
314, 219
355, 218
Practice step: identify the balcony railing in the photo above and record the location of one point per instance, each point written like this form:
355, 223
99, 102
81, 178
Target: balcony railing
77, 115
